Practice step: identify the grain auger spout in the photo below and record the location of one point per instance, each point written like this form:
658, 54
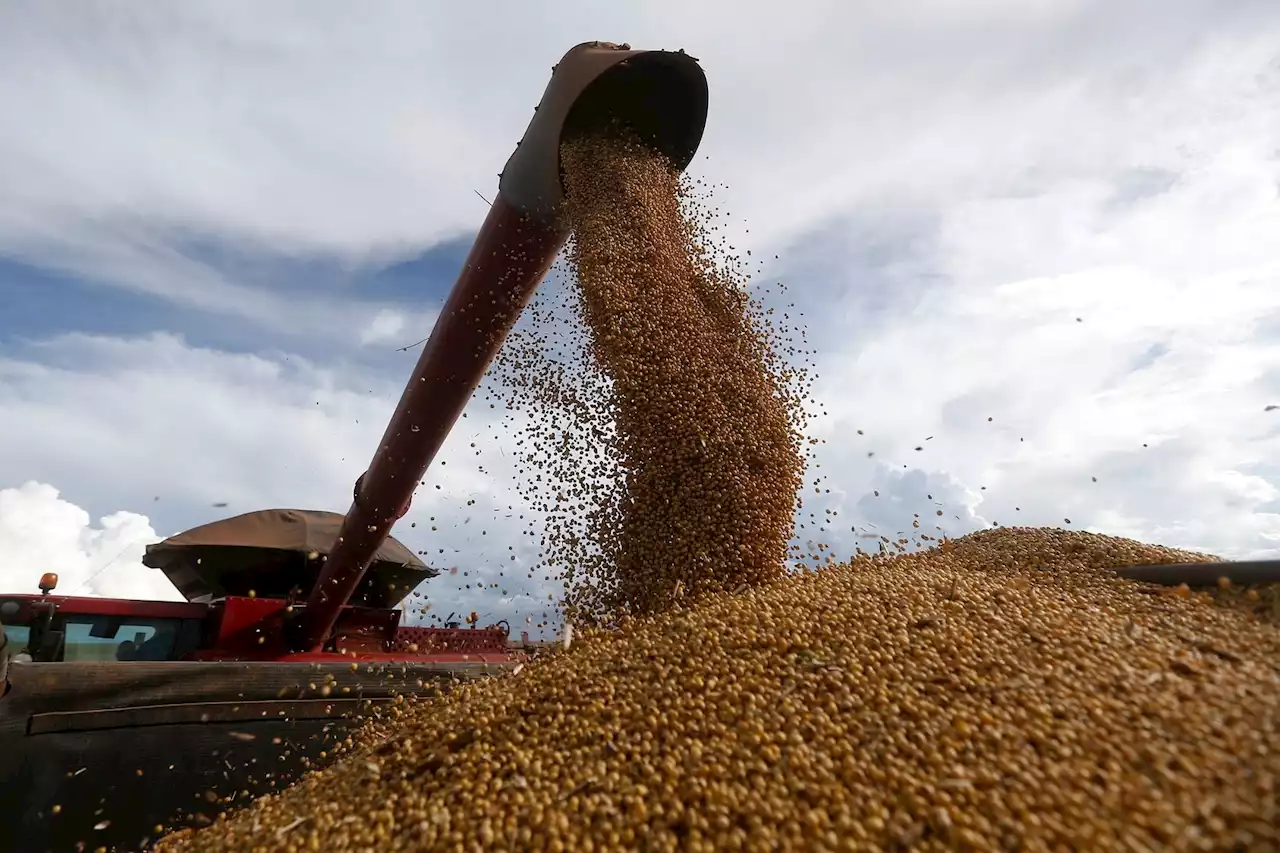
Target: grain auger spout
661, 96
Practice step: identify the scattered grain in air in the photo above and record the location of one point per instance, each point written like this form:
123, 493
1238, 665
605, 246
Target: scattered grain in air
1041, 704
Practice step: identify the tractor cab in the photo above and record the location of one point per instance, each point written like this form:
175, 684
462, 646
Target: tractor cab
229, 571
60, 629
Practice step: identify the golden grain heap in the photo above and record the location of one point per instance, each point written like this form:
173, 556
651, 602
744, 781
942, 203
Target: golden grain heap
1003, 691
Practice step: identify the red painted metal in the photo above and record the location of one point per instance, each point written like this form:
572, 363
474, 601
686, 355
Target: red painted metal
69, 604
255, 629
239, 620
511, 255
433, 641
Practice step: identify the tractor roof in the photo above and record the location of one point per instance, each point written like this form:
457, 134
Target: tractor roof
273, 552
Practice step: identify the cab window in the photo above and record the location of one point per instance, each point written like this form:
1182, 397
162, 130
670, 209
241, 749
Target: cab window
17, 636
108, 638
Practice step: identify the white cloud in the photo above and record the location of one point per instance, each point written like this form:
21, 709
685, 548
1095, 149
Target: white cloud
162, 427
363, 134
41, 532
1133, 341
385, 326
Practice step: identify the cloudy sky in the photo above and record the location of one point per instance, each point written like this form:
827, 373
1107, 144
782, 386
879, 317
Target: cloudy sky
1037, 240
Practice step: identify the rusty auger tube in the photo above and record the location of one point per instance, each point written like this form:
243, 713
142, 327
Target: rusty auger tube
661, 96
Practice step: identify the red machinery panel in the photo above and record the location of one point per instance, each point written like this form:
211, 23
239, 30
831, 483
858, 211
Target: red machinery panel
109, 606
451, 640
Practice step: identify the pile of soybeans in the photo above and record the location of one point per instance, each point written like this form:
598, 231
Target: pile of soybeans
1003, 691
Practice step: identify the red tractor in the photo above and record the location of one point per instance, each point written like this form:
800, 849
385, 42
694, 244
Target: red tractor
119, 718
